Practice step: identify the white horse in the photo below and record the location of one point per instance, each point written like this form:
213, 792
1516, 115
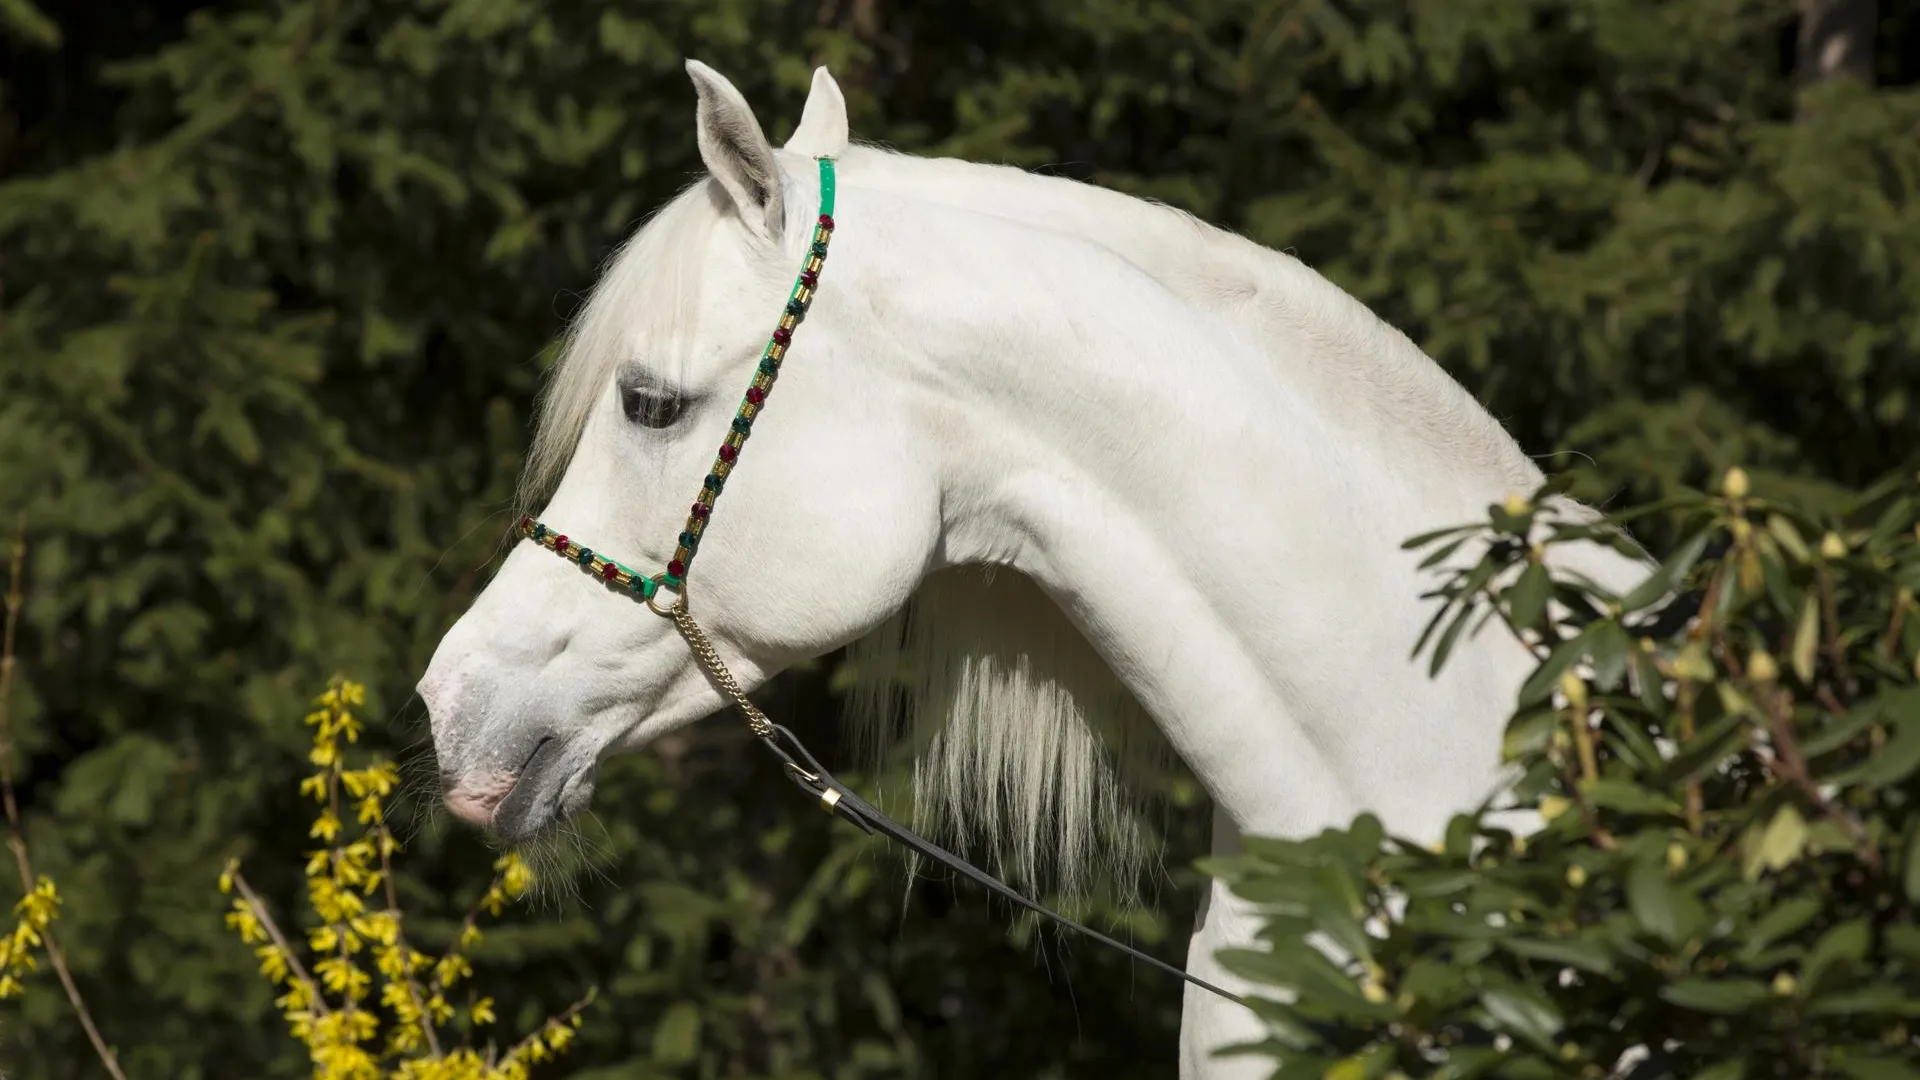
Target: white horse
1102, 478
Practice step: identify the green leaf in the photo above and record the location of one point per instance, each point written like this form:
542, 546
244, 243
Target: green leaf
1788, 537
1285, 1023
1524, 1014
1652, 899
1423, 539
1544, 678
1838, 733
1838, 949
23, 18
1627, 797
1298, 967
1440, 554
1905, 942
1610, 645
1573, 952
1333, 917
1785, 918
1365, 1065
1706, 750
1470, 1063
1527, 599
676, 1041
1724, 996
1725, 1070
1806, 638
1649, 684
1663, 580
1448, 638
1871, 1065
1780, 845
1528, 733
1893, 764
1872, 1000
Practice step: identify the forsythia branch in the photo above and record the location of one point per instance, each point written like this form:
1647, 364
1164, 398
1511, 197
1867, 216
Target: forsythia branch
336, 1006
40, 901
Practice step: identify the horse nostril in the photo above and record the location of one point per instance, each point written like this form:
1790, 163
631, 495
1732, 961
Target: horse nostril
535, 752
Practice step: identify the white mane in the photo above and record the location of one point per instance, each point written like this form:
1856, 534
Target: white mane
1024, 740
647, 289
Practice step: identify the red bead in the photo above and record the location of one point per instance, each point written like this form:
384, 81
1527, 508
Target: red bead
783, 335
756, 395
728, 453
610, 572
809, 278
826, 221
526, 521
676, 568
560, 544
701, 510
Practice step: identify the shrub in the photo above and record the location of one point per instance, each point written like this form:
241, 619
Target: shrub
1726, 881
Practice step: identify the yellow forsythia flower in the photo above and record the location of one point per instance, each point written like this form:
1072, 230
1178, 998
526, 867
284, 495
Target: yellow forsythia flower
376, 1022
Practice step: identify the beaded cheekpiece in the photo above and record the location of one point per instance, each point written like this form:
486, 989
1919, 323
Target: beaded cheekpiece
624, 578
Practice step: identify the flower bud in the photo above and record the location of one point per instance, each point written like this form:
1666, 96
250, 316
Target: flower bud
1576, 875
1734, 484
1575, 688
1832, 547
1761, 667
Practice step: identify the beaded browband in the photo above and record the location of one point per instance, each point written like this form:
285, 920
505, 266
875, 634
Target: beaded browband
624, 578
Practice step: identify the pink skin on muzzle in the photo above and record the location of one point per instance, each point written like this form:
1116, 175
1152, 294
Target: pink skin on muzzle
474, 801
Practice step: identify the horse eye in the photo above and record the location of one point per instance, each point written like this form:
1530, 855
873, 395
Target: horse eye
651, 406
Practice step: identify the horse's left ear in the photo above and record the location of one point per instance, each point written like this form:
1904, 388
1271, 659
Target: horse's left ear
823, 123
736, 151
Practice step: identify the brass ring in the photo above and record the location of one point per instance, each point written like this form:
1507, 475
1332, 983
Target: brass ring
679, 597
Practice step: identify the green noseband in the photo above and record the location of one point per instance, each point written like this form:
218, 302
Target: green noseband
624, 578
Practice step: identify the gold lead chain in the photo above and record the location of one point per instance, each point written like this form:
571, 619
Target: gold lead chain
709, 658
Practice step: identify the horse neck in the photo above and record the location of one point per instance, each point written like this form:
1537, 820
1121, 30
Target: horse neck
1329, 346
1228, 544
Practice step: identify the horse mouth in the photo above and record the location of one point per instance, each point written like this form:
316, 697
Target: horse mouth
553, 785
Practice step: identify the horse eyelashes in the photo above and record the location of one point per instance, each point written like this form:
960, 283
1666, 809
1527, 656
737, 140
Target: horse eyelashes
650, 407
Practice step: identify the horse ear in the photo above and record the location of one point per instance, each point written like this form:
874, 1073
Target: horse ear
823, 123
736, 151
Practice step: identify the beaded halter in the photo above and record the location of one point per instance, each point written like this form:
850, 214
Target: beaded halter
624, 578
799, 765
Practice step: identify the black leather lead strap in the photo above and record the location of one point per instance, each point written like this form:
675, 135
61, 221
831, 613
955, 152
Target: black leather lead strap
801, 767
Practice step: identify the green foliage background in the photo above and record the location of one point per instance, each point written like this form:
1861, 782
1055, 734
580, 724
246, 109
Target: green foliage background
279, 279
1728, 875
